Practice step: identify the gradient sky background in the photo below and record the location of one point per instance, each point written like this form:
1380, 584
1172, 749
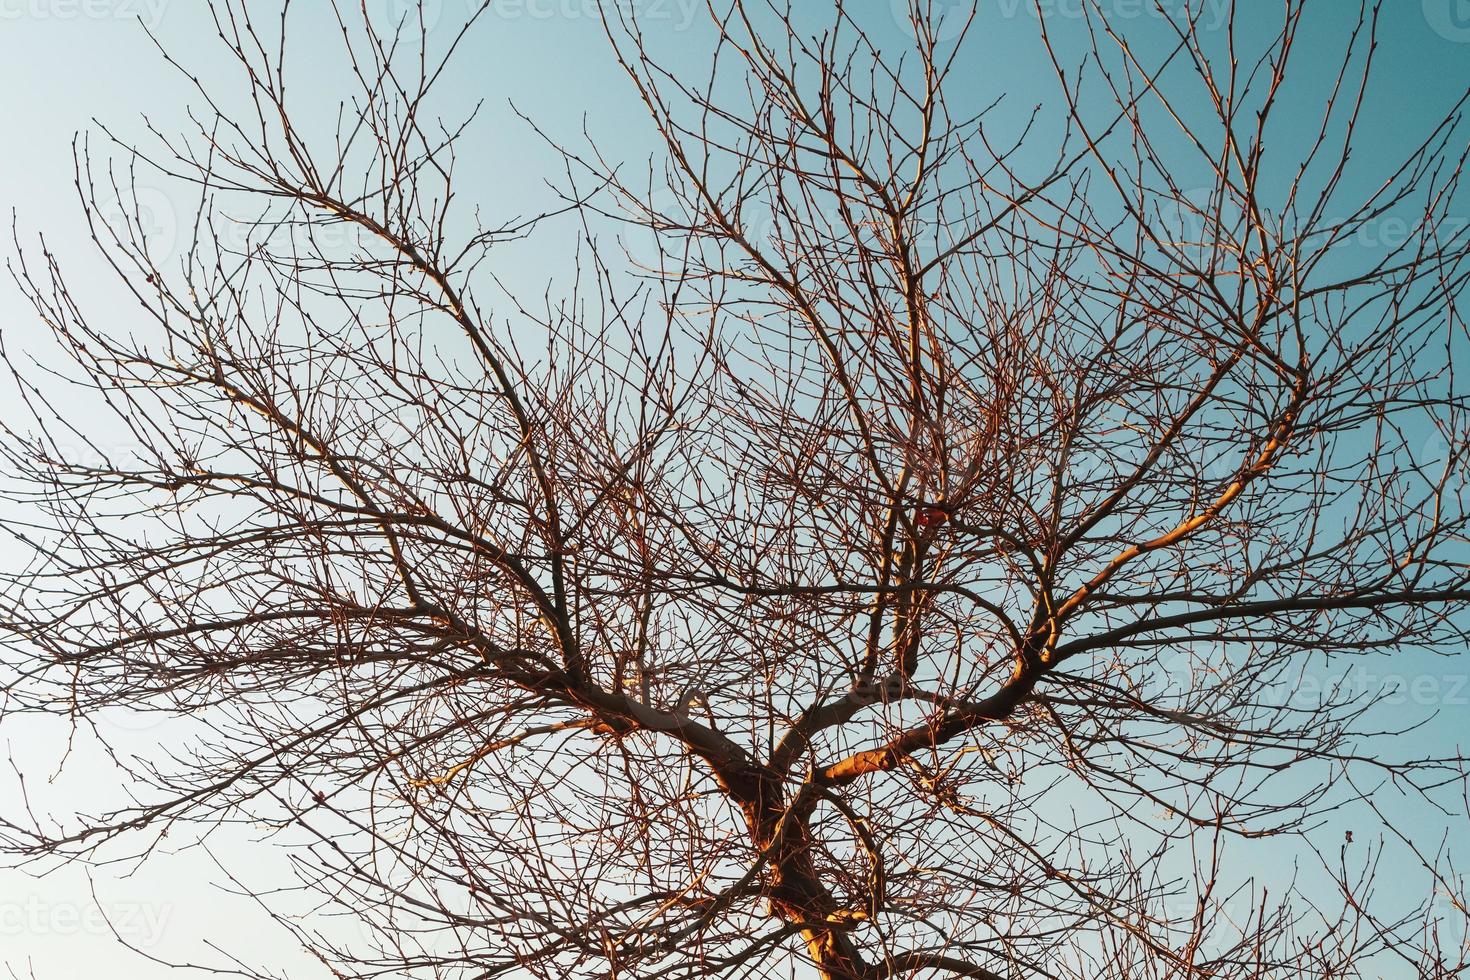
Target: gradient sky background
64, 63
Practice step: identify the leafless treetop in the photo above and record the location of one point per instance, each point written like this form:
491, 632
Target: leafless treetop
897, 571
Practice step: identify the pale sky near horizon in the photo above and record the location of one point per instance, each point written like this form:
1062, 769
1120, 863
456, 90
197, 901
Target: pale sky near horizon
66, 63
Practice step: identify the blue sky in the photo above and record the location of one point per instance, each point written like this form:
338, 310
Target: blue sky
64, 63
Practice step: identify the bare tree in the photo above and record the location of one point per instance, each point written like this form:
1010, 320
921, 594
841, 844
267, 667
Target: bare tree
914, 567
